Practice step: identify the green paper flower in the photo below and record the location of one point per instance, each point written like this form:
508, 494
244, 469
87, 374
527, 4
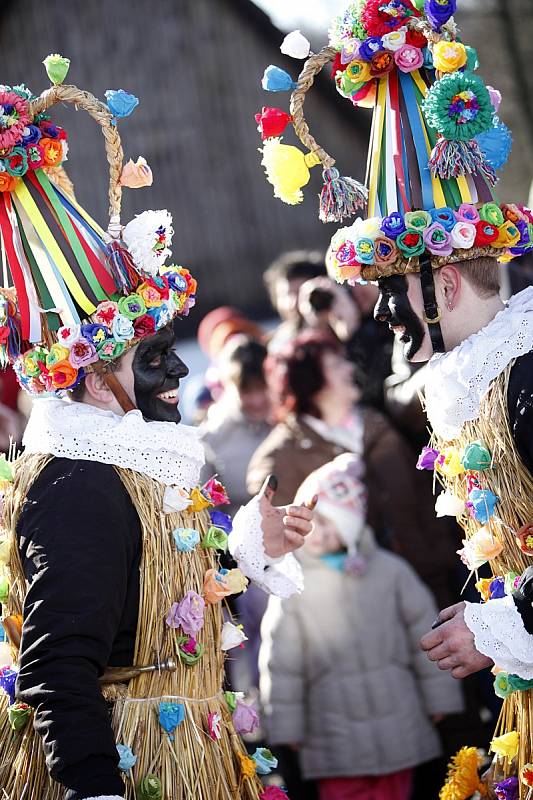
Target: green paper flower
16, 163
472, 62
150, 788
56, 67
189, 650
476, 457
19, 715
231, 700
519, 684
410, 243
132, 306
417, 220
110, 349
491, 212
459, 107
215, 538
502, 685
4, 589
6, 470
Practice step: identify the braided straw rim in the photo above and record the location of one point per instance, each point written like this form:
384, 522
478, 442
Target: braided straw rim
404, 266
81, 99
310, 70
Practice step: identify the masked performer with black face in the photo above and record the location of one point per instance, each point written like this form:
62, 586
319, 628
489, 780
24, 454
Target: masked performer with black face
113, 608
435, 241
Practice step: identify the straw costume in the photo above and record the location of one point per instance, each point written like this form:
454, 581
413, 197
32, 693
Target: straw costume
435, 147
111, 588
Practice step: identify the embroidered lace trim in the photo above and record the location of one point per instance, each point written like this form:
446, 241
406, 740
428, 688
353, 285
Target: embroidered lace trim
282, 577
457, 381
169, 453
499, 633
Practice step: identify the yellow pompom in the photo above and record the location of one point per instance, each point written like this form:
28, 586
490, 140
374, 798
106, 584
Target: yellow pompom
287, 169
505, 745
463, 779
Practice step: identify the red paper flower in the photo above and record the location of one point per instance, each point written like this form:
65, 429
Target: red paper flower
380, 17
337, 65
416, 39
144, 326
381, 63
486, 234
271, 122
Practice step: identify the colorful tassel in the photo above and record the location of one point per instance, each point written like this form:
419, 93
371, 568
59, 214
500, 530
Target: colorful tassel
287, 169
340, 197
122, 267
272, 122
453, 159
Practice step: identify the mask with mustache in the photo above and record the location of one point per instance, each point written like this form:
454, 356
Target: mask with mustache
157, 369
394, 308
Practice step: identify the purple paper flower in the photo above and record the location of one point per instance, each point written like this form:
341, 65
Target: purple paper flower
32, 135
369, 48
427, 458
524, 243
8, 677
393, 225
187, 614
439, 12
245, 718
507, 789
497, 588
94, 333
221, 520
437, 240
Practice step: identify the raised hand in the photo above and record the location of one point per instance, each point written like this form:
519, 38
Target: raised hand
284, 527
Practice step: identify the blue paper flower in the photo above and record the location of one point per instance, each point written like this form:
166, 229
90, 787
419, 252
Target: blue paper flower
170, 716
445, 217
127, 759
497, 588
186, 539
496, 144
120, 103
221, 520
277, 80
265, 762
439, 12
482, 502
8, 677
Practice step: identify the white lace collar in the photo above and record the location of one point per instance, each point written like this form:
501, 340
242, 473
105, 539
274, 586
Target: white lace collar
170, 453
457, 381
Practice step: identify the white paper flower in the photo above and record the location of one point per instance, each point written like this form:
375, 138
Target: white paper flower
370, 228
449, 505
232, 636
394, 40
6, 659
148, 238
175, 499
295, 45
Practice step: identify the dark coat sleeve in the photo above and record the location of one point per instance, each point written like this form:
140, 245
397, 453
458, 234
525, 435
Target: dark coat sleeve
79, 540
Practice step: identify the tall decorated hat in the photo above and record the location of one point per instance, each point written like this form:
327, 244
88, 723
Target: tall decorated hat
79, 296
436, 143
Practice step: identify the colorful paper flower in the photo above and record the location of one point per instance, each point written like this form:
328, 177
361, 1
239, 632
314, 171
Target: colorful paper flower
245, 718
236, 581
505, 746
8, 677
189, 650
272, 122
508, 234
231, 700
381, 63
482, 503
276, 79
385, 251
35, 156
121, 103
463, 235
214, 722
110, 349
417, 220
497, 588
439, 12
449, 463
122, 328
265, 762
232, 636
449, 505
247, 765
393, 225
52, 151
186, 539
486, 234
136, 175
476, 457
127, 758
524, 539
170, 716
508, 789
56, 67
150, 788
14, 117
56, 354
496, 144
16, 163
198, 500
449, 56
105, 313
369, 48
150, 294
215, 539
63, 375
215, 587
221, 520
408, 58
410, 243
437, 240
458, 106
467, 213
394, 40
68, 334
82, 353
481, 547
188, 614
19, 715
295, 45
175, 499
491, 212
7, 182
483, 587
216, 492
526, 774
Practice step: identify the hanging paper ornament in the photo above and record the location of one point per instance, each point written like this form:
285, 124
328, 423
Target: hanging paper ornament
232, 636
247, 765
231, 700
524, 539
221, 520
463, 778
265, 762
287, 169
295, 45
272, 122
175, 499
170, 716
136, 175
276, 79
56, 68
215, 539
439, 12
508, 789
481, 503
380, 18
449, 505
214, 721
245, 718
148, 238
505, 746
150, 788
19, 715
476, 457
496, 145
127, 758
481, 547
495, 97
340, 197
8, 677
121, 103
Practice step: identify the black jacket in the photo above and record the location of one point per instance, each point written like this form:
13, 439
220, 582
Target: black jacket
80, 544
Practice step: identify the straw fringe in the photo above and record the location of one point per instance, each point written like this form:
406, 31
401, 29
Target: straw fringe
193, 766
512, 482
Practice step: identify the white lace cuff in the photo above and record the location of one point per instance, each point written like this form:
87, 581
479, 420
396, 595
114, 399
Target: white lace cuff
499, 633
281, 576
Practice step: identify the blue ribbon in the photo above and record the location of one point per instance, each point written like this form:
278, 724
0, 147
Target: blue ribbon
415, 123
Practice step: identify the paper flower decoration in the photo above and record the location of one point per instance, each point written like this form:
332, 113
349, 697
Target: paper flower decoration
170, 716
198, 500
189, 650
245, 718
287, 169
481, 503
126, 756
186, 539
231, 700
505, 746
215, 587
448, 462
524, 539
148, 238
507, 789
428, 456
232, 636
120, 103
214, 721
221, 520
175, 499
496, 145
526, 774
463, 778
56, 67
215, 491
277, 80
479, 548
150, 788
458, 106
449, 56
449, 505
19, 715
476, 457
14, 117
236, 581
295, 45
215, 539
271, 122
136, 175
265, 762
188, 614
247, 765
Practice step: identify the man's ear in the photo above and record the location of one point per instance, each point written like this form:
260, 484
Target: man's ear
97, 388
449, 286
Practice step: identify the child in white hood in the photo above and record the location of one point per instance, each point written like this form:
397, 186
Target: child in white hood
343, 679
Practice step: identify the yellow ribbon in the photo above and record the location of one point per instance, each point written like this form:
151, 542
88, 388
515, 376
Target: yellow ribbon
377, 126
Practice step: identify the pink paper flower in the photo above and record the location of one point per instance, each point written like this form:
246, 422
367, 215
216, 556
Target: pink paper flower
187, 614
82, 353
216, 492
214, 721
408, 58
14, 117
273, 793
245, 718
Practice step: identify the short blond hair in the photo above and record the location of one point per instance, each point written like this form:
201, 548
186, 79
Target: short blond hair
483, 275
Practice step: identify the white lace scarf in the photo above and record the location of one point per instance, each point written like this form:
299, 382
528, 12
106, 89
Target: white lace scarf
169, 453
457, 381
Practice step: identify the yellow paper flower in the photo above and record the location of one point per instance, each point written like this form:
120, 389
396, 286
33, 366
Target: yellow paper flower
506, 745
449, 56
358, 71
483, 587
198, 501
247, 766
236, 581
57, 353
463, 779
508, 235
449, 462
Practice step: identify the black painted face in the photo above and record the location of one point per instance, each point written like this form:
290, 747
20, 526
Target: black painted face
394, 307
157, 371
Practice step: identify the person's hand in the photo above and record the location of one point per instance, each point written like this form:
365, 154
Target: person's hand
284, 528
451, 644
343, 315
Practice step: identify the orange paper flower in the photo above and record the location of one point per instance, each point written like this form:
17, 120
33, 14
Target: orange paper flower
7, 182
215, 587
247, 766
136, 175
53, 151
63, 375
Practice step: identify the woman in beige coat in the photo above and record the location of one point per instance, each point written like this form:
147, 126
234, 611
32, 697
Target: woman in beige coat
342, 676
